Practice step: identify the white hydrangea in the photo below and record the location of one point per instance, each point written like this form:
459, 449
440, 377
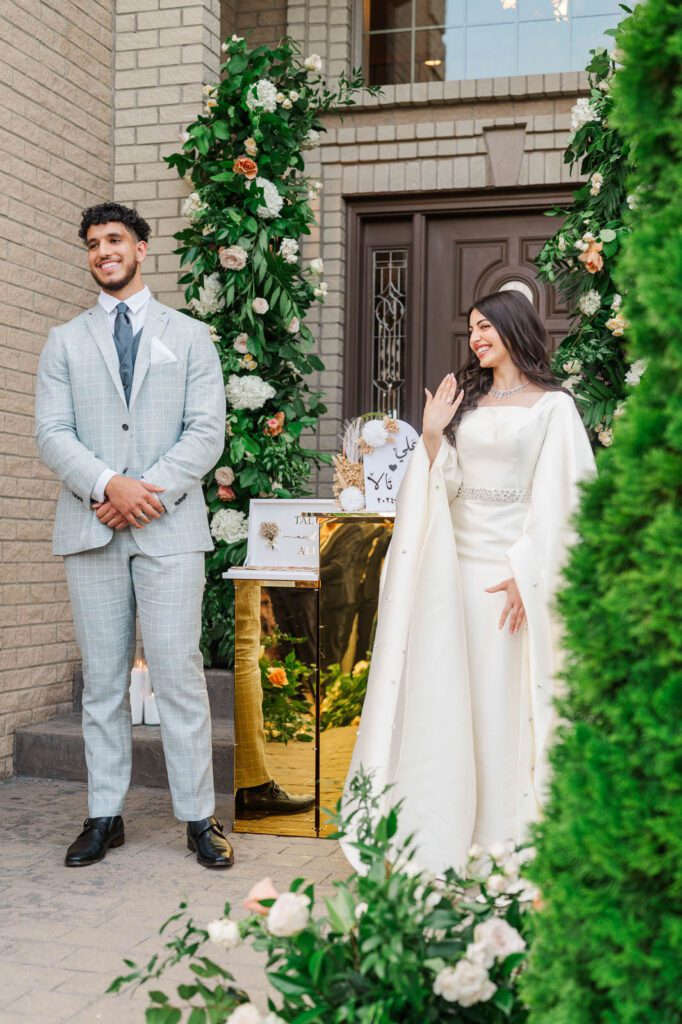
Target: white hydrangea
289, 914
229, 526
636, 371
272, 199
466, 983
288, 250
224, 933
250, 392
582, 113
262, 96
209, 300
590, 302
351, 499
192, 206
311, 140
374, 433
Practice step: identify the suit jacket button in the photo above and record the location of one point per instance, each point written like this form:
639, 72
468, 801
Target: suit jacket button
125, 426
125, 470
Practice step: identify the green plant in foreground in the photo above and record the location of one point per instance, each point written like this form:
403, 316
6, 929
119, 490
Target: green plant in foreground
392, 944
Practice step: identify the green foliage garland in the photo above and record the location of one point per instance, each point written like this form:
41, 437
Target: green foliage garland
609, 939
582, 258
249, 207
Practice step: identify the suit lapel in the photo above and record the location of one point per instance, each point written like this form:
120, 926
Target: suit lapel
154, 326
98, 324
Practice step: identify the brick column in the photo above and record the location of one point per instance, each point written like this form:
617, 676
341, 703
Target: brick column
166, 50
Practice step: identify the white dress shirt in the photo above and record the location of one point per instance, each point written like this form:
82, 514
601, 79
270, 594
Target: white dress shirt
137, 304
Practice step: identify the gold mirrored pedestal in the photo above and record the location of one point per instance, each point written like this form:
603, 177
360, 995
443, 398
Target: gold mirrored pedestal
301, 664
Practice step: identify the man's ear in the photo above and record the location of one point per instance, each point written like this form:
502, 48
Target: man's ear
141, 249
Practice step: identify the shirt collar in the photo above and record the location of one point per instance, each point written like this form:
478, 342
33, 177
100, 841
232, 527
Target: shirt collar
134, 302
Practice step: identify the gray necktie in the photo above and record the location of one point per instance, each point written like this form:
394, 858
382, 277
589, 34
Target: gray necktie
123, 338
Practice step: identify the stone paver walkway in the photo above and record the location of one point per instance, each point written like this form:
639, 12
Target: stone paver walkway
65, 932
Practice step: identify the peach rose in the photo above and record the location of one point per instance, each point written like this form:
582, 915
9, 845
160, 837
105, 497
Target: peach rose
224, 475
274, 425
263, 890
277, 676
592, 257
226, 493
246, 166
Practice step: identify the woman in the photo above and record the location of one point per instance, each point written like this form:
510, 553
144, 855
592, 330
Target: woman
458, 714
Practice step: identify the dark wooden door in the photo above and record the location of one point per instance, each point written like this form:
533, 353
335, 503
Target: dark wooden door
415, 267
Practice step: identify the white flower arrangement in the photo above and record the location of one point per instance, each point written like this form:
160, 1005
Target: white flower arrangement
260, 306
209, 300
636, 372
590, 302
229, 526
374, 433
248, 392
192, 207
262, 96
288, 915
273, 201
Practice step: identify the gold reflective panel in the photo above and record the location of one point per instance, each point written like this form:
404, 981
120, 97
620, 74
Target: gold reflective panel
301, 667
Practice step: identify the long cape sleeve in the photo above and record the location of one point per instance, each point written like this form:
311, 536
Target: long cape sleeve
537, 558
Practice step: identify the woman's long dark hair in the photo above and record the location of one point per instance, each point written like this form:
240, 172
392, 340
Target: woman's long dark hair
525, 338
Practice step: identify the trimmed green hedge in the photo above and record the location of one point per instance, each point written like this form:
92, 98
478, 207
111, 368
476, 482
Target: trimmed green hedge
609, 938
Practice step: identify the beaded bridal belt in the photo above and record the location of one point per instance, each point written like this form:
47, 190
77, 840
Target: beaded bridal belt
499, 495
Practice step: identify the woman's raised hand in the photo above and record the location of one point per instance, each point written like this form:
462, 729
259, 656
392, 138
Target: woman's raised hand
441, 407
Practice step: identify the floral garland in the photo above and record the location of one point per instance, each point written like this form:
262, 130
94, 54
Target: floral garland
360, 437
581, 257
248, 208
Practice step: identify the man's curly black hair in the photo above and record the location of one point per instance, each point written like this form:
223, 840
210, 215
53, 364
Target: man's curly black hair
103, 213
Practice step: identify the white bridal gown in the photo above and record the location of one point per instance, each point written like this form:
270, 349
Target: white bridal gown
458, 713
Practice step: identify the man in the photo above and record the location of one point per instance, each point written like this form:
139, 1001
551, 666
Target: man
130, 415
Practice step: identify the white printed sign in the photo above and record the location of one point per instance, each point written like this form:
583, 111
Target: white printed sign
384, 468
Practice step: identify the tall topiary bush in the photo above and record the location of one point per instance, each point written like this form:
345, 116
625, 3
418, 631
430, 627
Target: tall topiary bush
248, 209
608, 944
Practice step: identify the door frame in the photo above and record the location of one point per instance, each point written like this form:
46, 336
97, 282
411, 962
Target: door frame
418, 206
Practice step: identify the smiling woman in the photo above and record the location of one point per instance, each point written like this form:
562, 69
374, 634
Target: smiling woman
459, 715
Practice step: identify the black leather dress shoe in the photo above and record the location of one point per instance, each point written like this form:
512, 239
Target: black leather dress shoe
258, 801
92, 844
207, 839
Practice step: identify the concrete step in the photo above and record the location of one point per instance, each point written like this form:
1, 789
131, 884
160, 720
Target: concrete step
219, 682
54, 750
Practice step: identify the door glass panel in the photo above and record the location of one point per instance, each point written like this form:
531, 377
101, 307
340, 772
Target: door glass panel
389, 305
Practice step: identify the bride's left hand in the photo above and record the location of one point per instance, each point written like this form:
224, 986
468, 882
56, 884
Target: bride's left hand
513, 605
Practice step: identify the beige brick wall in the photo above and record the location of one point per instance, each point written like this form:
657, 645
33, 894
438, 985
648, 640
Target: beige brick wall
55, 158
165, 51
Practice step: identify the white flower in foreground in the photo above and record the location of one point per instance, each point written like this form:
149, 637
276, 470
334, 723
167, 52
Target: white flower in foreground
311, 140
498, 851
229, 526
590, 302
634, 374
317, 266
247, 1013
374, 433
596, 181
497, 884
262, 96
210, 300
313, 62
272, 199
248, 392
224, 476
224, 933
352, 499
294, 326
260, 306
606, 437
479, 953
192, 206
466, 984
582, 113
289, 914
499, 936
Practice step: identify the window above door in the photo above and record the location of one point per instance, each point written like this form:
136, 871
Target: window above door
445, 40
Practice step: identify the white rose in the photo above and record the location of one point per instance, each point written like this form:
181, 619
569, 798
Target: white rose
210, 300
496, 885
479, 953
224, 933
288, 915
233, 258
498, 851
616, 301
294, 326
313, 62
317, 266
499, 936
582, 113
229, 526
260, 306
480, 867
561, 243
224, 476
321, 291
240, 343
573, 366
287, 104
632, 201
294, 96
280, 97
634, 374
311, 140
248, 392
192, 206
250, 146
596, 180
466, 984
527, 854
360, 909
570, 383
247, 1013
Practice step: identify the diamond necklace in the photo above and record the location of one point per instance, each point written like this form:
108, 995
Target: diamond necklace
496, 393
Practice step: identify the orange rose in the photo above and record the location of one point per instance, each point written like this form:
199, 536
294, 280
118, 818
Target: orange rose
246, 166
592, 257
226, 493
277, 677
274, 425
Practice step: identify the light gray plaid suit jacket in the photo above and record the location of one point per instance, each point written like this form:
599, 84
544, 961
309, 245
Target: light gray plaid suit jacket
172, 434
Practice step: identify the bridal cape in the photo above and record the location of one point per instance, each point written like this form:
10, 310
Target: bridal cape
417, 732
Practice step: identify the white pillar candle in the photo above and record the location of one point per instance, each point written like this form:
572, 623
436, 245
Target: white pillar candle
151, 713
139, 687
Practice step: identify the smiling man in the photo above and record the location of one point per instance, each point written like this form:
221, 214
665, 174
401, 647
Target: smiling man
130, 415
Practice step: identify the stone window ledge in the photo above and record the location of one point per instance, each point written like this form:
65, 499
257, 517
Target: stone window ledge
567, 83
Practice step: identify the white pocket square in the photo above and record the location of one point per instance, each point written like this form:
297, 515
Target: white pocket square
161, 354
